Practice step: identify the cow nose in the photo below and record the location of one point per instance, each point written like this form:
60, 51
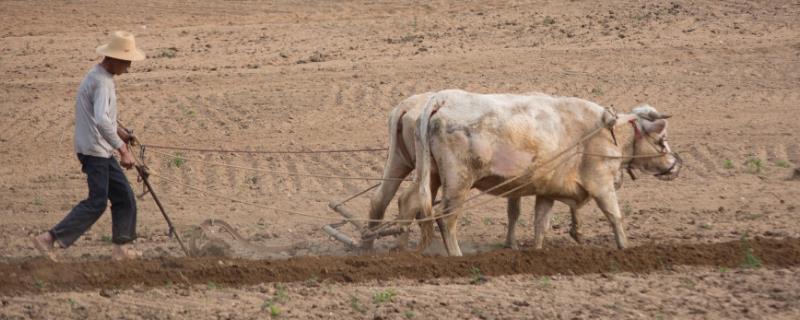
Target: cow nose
674, 170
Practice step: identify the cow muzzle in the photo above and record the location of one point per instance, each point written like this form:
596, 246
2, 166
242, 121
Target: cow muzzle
673, 170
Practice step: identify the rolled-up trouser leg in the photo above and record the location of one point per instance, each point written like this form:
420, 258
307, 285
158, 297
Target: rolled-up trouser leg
123, 205
86, 213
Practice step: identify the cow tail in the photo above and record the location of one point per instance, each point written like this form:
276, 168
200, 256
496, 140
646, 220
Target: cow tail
423, 167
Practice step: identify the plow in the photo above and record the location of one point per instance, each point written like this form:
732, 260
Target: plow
216, 237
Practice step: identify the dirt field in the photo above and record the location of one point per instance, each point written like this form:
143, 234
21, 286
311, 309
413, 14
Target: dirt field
721, 241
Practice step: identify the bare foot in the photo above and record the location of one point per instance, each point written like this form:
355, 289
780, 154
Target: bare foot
124, 252
44, 244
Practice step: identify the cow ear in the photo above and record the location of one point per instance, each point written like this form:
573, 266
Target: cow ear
657, 126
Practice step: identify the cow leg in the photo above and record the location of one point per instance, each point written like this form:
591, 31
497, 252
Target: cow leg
395, 169
452, 201
574, 230
610, 207
541, 220
409, 208
513, 216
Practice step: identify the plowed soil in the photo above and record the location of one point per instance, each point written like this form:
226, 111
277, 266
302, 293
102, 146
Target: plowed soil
321, 75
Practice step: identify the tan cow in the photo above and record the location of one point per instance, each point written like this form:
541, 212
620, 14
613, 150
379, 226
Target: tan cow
467, 140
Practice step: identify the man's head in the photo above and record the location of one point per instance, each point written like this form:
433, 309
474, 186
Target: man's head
115, 66
119, 52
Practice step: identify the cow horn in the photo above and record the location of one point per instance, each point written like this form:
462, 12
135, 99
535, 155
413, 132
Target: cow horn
654, 115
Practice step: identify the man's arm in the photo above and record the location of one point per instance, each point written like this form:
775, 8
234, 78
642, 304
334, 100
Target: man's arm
107, 127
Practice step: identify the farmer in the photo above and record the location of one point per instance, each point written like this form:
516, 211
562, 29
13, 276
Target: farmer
97, 135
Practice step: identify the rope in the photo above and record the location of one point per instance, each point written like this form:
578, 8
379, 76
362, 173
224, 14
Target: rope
258, 205
155, 146
432, 218
276, 172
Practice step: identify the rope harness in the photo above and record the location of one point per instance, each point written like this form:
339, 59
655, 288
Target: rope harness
440, 212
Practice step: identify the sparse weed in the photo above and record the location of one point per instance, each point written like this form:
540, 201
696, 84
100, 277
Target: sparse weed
477, 276
274, 310
312, 282
627, 209
39, 284
487, 221
544, 281
597, 91
105, 238
614, 267
408, 314
728, 164
177, 160
783, 163
548, 20
723, 270
356, 305
705, 226
280, 293
751, 261
170, 52
72, 303
754, 164
383, 296
37, 201
212, 286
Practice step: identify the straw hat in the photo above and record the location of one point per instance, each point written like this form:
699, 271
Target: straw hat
122, 46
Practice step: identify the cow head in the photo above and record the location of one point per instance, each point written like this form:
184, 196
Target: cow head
651, 152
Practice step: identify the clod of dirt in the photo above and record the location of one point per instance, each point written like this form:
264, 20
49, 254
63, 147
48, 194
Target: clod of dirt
796, 174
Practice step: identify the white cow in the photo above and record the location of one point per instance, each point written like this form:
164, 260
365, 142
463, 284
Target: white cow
401, 161
467, 140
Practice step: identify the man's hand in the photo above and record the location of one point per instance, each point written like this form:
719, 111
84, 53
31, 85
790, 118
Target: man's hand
126, 158
126, 135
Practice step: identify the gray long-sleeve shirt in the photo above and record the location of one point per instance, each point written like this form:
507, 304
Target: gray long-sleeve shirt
96, 115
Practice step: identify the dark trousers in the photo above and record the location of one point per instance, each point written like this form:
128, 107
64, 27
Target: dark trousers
106, 181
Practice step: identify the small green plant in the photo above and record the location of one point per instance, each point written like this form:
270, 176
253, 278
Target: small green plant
705, 226
723, 270
614, 267
728, 164
72, 303
487, 221
178, 160
212, 286
280, 293
39, 284
754, 164
627, 209
597, 91
477, 276
783, 164
105, 238
544, 281
170, 52
37, 201
751, 261
408, 314
168, 285
312, 282
548, 20
356, 305
274, 310
465, 221
383, 296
